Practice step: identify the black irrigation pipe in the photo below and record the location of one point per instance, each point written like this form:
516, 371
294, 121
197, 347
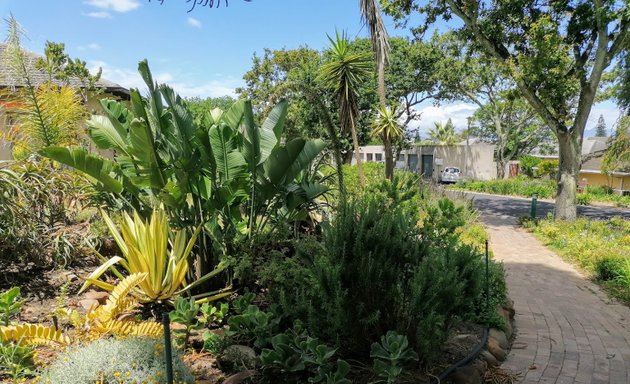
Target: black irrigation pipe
475, 352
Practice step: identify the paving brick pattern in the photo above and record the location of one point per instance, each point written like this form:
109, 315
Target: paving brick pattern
567, 329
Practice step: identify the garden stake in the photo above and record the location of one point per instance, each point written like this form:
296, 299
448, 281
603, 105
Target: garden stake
534, 203
168, 353
487, 280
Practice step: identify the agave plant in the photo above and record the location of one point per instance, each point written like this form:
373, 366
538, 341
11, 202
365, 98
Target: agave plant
150, 248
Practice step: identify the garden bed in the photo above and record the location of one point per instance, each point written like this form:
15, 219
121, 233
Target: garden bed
600, 248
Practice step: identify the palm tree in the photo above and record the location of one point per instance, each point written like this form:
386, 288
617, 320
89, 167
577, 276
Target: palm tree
344, 72
444, 134
371, 15
386, 123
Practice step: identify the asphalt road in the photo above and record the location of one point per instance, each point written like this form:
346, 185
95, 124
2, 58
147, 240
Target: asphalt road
514, 207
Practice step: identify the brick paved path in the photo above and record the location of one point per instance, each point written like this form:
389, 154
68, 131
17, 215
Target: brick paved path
567, 330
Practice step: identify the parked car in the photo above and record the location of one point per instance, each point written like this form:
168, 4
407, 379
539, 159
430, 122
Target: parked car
450, 175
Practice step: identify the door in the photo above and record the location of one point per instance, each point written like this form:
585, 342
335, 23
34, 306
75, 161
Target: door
427, 166
412, 162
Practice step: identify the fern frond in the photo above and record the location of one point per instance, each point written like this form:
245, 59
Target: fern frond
33, 334
128, 328
117, 302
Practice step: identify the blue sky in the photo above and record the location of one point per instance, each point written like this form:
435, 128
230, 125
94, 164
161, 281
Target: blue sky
204, 52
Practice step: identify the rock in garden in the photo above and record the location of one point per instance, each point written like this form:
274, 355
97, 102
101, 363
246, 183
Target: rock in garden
466, 375
241, 354
509, 306
99, 296
509, 330
495, 349
500, 337
239, 377
88, 303
489, 358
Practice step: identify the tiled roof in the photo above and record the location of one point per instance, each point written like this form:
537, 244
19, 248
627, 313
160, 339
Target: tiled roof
8, 77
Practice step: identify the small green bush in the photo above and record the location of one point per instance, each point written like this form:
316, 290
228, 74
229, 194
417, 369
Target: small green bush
528, 163
548, 168
610, 268
132, 360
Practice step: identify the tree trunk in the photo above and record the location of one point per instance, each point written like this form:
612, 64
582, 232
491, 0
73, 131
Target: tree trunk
389, 157
501, 168
357, 154
568, 169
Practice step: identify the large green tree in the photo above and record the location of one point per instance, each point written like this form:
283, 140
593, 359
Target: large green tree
504, 118
555, 51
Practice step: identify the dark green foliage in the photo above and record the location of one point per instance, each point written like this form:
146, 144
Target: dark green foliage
298, 357
528, 163
610, 268
378, 271
252, 326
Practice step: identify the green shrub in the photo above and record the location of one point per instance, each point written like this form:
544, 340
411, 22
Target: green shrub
609, 268
528, 163
39, 219
132, 360
583, 198
548, 168
16, 361
378, 271
299, 358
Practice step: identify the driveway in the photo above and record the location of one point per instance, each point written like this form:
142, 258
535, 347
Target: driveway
509, 206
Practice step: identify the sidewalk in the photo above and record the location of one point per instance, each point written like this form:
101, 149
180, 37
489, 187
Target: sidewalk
567, 329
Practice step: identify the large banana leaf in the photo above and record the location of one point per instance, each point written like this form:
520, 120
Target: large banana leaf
230, 162
275, 120
286, 162
98, 168
109, 132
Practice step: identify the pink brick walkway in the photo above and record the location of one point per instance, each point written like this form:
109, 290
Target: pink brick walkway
567, 329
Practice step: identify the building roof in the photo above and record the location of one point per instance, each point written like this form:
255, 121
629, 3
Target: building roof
8, 77
592, 145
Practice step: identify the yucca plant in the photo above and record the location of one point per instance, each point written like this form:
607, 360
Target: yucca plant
151, 247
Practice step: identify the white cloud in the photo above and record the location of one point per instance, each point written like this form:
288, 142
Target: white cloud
99, 15
114, 5
194, 22
131, 79
89, 47
457, 112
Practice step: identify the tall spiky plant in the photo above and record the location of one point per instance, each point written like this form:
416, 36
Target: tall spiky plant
344, 73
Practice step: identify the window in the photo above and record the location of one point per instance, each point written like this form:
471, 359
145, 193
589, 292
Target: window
369, 157
401, 157
379, 157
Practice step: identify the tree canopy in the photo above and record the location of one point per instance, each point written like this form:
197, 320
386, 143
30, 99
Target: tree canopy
556, 53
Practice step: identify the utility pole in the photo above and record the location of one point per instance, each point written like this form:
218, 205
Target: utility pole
469, 118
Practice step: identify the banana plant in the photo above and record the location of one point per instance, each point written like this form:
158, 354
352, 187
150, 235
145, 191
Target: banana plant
226, 174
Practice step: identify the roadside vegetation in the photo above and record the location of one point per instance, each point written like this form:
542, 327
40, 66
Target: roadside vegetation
601, 248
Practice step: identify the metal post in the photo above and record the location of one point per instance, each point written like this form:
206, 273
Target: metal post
487, 279
534, 204
168, 351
